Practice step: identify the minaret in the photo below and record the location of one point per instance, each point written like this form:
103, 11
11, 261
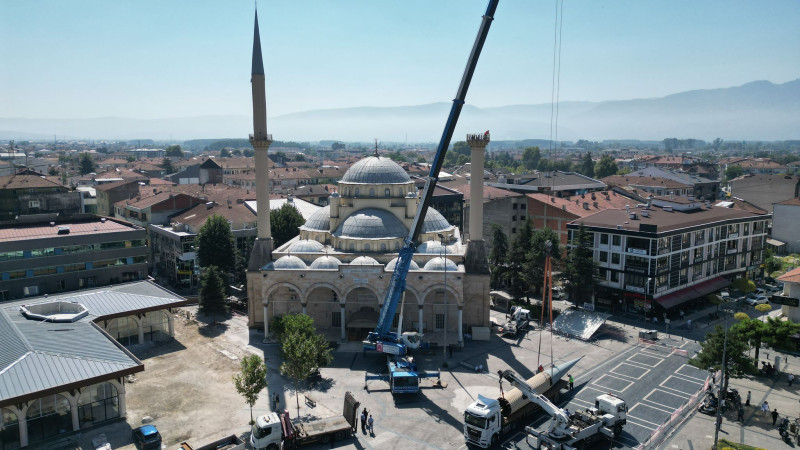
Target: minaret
476, 260
260, 140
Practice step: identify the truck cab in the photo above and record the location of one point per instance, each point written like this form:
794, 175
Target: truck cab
613, 410
267, 432
482, 422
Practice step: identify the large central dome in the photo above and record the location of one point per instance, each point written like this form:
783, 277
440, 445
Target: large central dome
376, 170
371, 223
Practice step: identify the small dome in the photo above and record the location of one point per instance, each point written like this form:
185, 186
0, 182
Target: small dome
326, 263
433, 248
364, 261
371, 223
319, 221
391, 265
305, 246
288, 262
435, 221
439, 264
376, 170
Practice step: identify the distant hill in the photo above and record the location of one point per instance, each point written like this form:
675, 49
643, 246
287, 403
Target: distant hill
759, 110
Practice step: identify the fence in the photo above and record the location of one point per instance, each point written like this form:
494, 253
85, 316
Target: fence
684, 412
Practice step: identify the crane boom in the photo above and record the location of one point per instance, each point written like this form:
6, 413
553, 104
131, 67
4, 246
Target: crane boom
397, 285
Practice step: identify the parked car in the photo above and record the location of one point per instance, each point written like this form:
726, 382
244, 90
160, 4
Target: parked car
558, 292
772, 288
757, 300
146, 436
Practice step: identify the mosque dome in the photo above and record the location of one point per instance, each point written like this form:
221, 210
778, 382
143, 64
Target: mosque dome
364, 261
326, 263
376, 170
393, 263
371, 223
305, 246
433, 247
288, 262
435, 221
320, 220
439, 264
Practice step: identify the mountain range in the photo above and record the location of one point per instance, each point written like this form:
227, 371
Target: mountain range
759, 110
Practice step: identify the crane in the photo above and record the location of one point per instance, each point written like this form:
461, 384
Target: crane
382, 338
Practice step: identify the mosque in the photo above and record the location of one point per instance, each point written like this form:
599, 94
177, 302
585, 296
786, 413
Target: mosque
338, 269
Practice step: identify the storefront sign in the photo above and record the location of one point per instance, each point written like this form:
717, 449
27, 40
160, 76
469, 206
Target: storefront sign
635, 289
588, 306
637, 251
733, 235
731, 251
781, 300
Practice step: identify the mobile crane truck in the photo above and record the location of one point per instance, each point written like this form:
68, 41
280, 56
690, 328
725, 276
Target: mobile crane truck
487, 420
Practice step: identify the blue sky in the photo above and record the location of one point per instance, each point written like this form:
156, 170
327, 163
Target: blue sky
158, 59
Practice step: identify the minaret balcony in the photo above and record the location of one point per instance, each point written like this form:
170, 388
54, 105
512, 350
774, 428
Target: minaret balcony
262, 138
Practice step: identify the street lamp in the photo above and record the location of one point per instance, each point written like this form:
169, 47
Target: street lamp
444, 261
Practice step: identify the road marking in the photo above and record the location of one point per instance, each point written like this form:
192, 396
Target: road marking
646, 371
645, 363
702, 380
677, 390
639, 419
629, 383
651, 407
577, 400
688, 379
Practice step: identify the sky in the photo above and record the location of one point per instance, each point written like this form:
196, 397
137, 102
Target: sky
150, 59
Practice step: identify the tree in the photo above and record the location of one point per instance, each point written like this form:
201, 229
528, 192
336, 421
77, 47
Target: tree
86, 165
737, 363
237, 152
174, 151
752, 330
224, 153
743, 285
779, 334
534, 265
733, 172
580, 267
251, 380
212, 294
304, 350
498, 254
285, 223
518, 258
587, 165
531, 157
216, 245
605, 167
773, 265
166, 164
300, 157
249, 152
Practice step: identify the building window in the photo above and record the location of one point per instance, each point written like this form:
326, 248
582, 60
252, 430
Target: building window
98, 403
30, 290
522, 206
336, 319
602, 273
603, 257
614, 276
513, 230
603, 239
357, 192
513, 218
33, 203
513, 206
439, 321
372, 192
387, 192
615, 258
383, 247
366, 247
616, 241
9, 429
48, 417
61, 285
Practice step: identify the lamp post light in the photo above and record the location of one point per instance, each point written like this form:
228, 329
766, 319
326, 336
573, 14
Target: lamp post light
444, 261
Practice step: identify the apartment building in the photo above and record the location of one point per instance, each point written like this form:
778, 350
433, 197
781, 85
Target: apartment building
655, 257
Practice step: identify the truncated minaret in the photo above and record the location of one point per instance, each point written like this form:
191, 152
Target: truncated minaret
260, 140
476, 260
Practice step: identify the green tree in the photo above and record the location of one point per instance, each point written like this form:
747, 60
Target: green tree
498, 254
166, 164
224, 153
212, 294
251, 380
85, 165
531, 157
773, 265
587, 165
733, 172
605, 167
236, 152
216, 244
743, 285
580, 267
285, 223
737, 363
518, 259
174, 151
534, 265
249, 152
300, 157
304, 350
778, 334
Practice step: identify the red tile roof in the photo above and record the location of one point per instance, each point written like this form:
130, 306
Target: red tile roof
792, 276
574, 205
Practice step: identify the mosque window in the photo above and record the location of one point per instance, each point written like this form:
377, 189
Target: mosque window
383, 247
387, 192
352, 247
357, 192
372, 192
366, 247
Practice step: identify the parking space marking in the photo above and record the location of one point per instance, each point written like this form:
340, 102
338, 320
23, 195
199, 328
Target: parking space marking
643, 373
687, 379
678, 390
639, 419
668, 413
585, 402
695, 369
645, 363
613, 387
670, 407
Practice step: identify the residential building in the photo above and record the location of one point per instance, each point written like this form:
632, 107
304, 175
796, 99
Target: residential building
754, 165
65, 255
206, 172
786, 224
562, 184
704, 188
110, 193
789, 299
29, 192
764, 190
502, 207
652, 259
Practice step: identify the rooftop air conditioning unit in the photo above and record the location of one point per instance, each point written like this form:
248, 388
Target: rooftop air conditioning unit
645, 213
619, 227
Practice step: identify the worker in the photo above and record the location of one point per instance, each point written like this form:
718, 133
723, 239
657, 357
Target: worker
571, 382
370, 422
540, 369
749, 394
774, 416
364, 421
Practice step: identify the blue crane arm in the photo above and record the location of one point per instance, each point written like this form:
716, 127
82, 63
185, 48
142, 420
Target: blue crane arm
398, 282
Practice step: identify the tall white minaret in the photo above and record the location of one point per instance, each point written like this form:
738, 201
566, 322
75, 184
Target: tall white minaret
476, 260
260, 140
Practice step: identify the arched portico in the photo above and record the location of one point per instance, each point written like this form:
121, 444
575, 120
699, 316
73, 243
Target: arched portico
361, 311
278, 299
324, 304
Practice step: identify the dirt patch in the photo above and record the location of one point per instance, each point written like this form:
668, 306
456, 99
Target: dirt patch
186, 386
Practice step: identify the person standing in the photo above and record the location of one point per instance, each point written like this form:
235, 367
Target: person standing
370, 423
572, 382
791, 378
275, 402
764, 408
747, 403
364, 421
774, 416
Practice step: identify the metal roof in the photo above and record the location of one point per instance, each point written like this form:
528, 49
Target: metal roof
440, 263
305, 246
435, 221
319, 221
326, 263
393, 263
371, 223
376, 170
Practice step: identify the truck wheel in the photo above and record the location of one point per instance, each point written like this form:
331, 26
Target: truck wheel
325, 439
495, 440
339, 436
617, 431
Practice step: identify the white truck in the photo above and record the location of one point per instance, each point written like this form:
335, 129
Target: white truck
575, 430
277, 431
519, 319
487, 420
